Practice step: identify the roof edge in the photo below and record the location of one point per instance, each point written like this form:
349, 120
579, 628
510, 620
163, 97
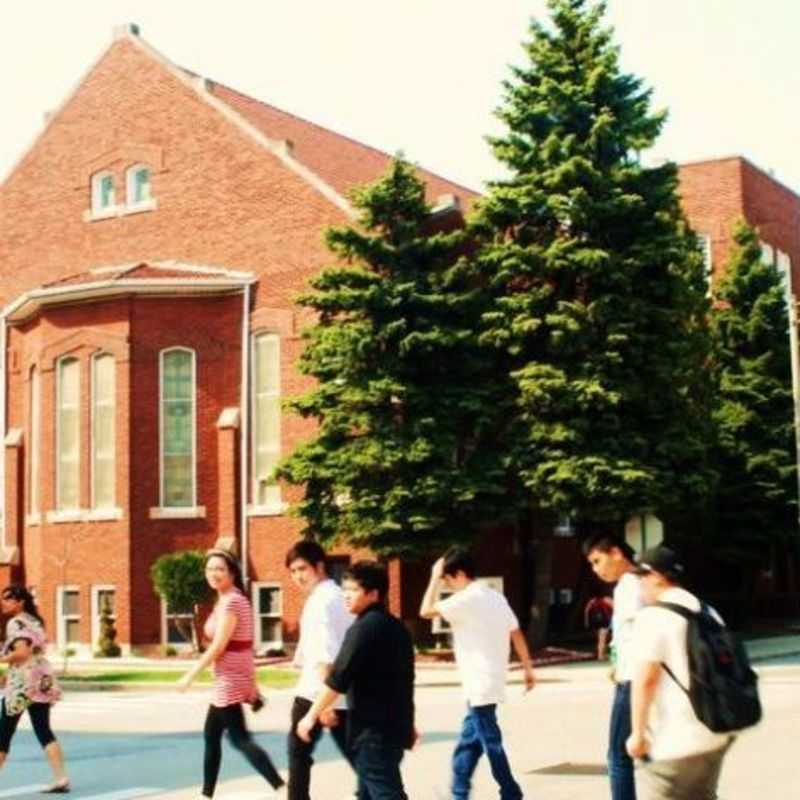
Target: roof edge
278, 149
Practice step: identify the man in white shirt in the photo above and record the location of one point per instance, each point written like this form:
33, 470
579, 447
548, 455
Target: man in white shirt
611, 558
323, 624
683, 758
482, 623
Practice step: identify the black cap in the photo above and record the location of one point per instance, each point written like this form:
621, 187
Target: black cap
662, 560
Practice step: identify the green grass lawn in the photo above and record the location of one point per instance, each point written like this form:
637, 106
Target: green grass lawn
267, 676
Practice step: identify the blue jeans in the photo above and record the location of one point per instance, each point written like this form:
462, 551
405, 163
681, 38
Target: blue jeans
620, 764
377, 764
480, 734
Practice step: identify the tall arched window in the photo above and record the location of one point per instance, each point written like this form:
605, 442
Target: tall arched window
103, 431
34, 412
103, 193
266, 418
68, 434
178, 479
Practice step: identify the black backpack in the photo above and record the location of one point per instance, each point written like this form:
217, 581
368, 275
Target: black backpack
723, 688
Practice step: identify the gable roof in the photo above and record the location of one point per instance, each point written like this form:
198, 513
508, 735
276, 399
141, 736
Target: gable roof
339, 160
331, 162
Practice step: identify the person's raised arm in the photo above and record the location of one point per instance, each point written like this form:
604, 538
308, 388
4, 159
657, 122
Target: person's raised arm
427, 609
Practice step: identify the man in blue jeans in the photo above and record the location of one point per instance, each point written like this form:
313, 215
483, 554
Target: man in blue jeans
482, 623
375, 669
612, 560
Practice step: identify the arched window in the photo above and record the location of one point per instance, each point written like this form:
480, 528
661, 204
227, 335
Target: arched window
33, 455
266, 418
103, 431
68, 434
178, 479
103, 194
138, 190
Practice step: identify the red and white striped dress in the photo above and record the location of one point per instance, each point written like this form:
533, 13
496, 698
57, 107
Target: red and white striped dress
234, 670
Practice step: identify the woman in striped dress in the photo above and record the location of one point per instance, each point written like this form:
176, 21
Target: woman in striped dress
230, 629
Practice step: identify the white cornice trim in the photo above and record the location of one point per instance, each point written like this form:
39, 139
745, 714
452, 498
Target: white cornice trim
30, 302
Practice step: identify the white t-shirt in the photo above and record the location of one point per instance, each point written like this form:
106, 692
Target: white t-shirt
482, 621
323, 624
660, 635
627, 604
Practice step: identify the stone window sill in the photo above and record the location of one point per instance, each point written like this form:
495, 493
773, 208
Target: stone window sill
183, 512
274, 510
119, 211
79, 515
33, 519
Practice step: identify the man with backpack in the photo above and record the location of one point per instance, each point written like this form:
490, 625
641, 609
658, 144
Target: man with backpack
692, 686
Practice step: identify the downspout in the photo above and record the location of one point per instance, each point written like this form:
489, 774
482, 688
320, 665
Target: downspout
244, 450
4, 378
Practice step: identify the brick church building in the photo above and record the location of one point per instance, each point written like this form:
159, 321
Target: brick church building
151, 242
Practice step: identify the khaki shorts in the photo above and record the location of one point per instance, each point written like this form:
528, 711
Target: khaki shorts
690, 778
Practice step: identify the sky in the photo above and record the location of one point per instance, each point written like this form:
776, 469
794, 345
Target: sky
424, 76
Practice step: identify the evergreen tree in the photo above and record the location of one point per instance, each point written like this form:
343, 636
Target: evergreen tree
404, 400
754, 416
599, 296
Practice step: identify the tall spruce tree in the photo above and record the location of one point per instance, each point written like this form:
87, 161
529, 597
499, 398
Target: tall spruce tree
755, 452
599, 294
403, 398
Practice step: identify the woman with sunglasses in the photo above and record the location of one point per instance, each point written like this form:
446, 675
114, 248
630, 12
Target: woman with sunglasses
230, 630
30, 683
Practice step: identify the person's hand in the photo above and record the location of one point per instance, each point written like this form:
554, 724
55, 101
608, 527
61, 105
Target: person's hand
328, 718
437, 570
637, 745
304, 728
184, 683
530, 678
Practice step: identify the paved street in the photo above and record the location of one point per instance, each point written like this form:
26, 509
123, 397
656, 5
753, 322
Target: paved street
128, 745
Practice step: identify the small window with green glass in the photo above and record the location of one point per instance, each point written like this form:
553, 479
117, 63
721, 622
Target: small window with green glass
103, 194
139, 186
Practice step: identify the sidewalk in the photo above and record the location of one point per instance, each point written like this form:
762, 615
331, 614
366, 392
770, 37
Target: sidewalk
427, 674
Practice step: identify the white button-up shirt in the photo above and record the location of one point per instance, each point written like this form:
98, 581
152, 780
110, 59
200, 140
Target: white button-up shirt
323, 624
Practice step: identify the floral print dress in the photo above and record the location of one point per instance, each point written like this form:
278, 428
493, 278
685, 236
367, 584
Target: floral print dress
32, 681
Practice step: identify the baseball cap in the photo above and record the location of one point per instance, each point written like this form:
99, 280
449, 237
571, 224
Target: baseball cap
660, 559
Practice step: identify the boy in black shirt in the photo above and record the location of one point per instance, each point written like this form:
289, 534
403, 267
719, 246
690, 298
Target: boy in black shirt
375, 668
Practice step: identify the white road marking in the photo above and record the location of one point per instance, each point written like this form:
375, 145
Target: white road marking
123, 794
18, 790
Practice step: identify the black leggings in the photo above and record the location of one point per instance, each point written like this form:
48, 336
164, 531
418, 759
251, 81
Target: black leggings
40, 718
232, 719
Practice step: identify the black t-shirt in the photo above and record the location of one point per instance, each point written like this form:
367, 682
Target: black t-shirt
375, 669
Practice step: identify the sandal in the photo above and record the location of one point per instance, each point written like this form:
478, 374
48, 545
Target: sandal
60, 787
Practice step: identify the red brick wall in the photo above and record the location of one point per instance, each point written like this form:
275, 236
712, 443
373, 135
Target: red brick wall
223, 200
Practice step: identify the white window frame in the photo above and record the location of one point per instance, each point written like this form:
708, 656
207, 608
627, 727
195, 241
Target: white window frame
708, 260
767, 253
783, 263
276, 506
59, 506
98, 211
63, 618
257, 613
35, 410
93, 501
96, 589
131, 204
179, 646
190, 510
